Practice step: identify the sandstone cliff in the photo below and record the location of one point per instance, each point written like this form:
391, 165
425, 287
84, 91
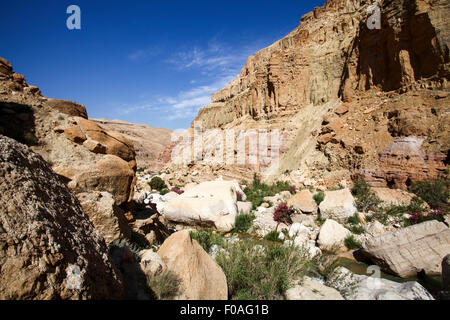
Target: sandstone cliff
346, 98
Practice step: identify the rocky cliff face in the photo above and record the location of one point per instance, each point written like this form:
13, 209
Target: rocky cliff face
345, 97
148, 142
86, 155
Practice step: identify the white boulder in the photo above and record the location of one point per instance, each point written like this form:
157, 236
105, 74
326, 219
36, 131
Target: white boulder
338, 205
332, 236
311, 289
210, 204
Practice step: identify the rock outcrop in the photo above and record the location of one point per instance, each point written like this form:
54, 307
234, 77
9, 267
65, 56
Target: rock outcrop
202, 278
68, 107
48, 247
89, 157
411, 250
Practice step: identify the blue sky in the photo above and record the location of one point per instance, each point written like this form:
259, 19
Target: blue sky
152, 62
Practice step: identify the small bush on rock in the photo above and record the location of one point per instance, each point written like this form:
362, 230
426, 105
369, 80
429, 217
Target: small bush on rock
257, 190
351, 243
165, 285
319, 197
157, 184
365, 199
435, 193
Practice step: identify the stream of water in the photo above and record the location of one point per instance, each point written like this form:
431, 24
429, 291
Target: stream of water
433, 284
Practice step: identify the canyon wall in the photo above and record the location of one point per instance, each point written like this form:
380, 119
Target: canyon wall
344, 97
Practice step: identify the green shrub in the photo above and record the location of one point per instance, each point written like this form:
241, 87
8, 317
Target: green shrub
353, 220
164, 191
357, 229
320, 219
273, 236
365, 200
207, 238
319, 197
157, 184
257, 190
351, 243
165, 285
396, 212
243, 222
435, 193
263, 273
355, 225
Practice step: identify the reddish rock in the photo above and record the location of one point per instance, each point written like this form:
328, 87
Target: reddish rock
342, 109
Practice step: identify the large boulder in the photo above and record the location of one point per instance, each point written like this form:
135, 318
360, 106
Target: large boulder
209, 204
338, 205
202, 278
48, 247
311, 289
304, 202
410, 250
361, 287
332, 235
106, 216
110, 173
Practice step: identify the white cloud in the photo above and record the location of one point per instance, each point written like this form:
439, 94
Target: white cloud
144, 54
216, 64
215, 57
